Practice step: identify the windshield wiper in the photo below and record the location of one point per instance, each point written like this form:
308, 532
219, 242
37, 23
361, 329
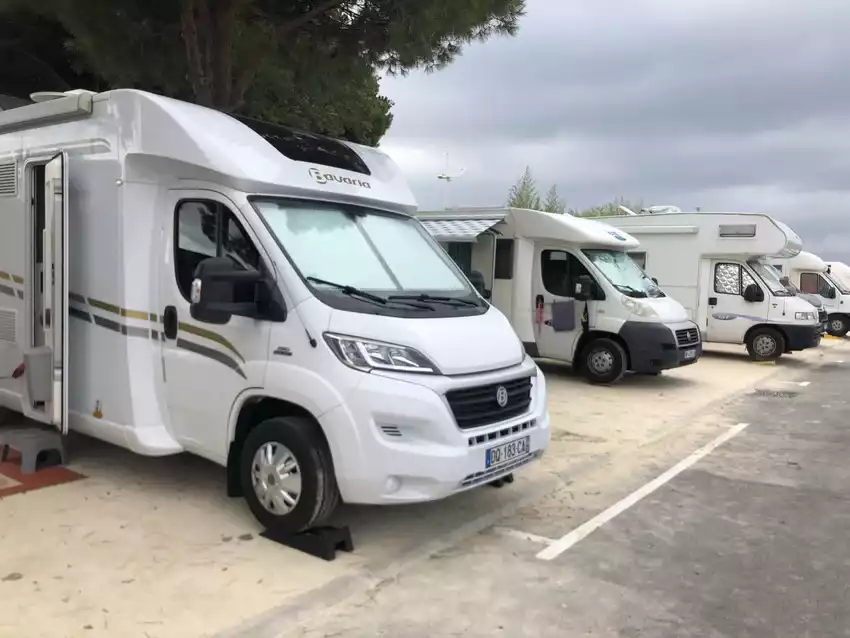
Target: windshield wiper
625, 288
452, 301
351, 291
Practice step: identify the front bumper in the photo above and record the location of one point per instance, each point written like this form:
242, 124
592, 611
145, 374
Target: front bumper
802, 337
395, 440
656, 346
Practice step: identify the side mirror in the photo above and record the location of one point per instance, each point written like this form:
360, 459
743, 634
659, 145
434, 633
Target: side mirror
487, 294
221, 290
584, 288
753, 294
654, 280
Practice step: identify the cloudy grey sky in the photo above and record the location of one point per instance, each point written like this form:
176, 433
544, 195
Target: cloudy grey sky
721, 104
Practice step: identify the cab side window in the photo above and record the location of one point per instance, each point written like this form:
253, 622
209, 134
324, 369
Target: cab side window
206, 229
813, 283
731, 279
560, 270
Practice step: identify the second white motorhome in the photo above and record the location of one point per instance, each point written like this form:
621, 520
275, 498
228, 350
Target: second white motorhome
177, 279
570, 290
812, 276
717, 266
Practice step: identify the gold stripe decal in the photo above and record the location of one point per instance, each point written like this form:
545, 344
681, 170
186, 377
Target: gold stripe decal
212, 336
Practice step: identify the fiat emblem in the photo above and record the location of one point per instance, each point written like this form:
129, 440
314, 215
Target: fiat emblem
502, 396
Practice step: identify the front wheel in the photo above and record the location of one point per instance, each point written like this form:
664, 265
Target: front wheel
839, 326
765, 344
287, 475
603, 361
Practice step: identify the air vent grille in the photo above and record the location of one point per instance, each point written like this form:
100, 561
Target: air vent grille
9, 179
8, 331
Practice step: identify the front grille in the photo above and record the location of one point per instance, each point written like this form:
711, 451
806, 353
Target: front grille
687, 337
476, 407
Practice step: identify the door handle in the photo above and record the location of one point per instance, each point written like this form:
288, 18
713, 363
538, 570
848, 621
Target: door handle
169, 322
712, 301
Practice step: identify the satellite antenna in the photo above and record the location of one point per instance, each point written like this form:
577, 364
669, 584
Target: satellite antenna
447, 178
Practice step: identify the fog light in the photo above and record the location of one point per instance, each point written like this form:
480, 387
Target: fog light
392, 485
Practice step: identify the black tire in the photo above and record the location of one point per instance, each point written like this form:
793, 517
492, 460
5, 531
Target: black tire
607, 349
839, 326
319, 495
757, 344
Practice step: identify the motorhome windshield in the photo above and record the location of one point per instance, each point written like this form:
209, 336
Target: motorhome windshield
771, 277
623, 273
361, 259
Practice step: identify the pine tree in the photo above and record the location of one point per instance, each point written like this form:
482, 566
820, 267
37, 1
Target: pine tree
553, 203
523, 194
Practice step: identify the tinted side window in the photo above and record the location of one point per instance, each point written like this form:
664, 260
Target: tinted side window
559, 271
207, 229
504, 259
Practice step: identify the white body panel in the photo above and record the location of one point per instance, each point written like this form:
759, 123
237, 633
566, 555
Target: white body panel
840, 271
517, 284
132, 157
704, 260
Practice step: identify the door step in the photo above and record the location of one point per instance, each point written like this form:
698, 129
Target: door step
39, 446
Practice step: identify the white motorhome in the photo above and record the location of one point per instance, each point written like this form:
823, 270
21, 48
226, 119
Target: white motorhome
717, 266
569, 289
840, 272
812, 276
256, 296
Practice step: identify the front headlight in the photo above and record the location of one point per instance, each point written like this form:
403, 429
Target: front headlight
638, 307
805, 316
367, 355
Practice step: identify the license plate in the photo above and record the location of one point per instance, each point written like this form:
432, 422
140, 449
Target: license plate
507, 451
690, 354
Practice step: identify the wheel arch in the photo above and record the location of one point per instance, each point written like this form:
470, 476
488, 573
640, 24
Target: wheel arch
586, 337
252, 411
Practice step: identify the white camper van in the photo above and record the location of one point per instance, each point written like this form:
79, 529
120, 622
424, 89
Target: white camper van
717, 266
259, 297
840, 272
570, 290
811, 275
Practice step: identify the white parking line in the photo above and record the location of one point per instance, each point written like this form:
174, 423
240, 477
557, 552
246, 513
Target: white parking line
565, 542
524, 536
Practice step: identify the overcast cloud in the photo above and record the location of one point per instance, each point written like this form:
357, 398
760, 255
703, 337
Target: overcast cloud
718, 104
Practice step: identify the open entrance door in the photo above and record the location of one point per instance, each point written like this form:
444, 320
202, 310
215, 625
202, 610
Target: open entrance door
47, 363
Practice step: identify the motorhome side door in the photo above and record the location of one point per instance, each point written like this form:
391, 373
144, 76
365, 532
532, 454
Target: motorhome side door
47, 368
206, 366
558, 326
729, 314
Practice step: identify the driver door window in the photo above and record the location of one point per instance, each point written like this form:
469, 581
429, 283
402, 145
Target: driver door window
560, 270
731, 279
208, 229
812, 283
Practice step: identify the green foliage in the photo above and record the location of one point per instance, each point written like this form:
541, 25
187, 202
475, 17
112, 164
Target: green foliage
524, 194
306, 63
553, 203
608, 210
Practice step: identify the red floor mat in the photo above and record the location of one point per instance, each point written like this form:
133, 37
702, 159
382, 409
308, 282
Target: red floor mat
13, 482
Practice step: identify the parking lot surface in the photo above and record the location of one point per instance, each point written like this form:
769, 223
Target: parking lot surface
152, 547
748, 541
